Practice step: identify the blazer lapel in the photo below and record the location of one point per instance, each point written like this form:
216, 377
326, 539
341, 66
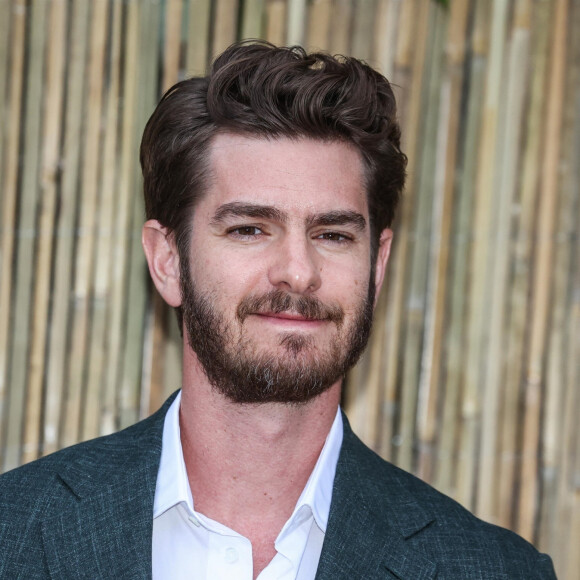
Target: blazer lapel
104, 507
371, 517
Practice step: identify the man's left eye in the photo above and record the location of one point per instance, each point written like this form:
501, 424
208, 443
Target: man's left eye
245, 231
334, 237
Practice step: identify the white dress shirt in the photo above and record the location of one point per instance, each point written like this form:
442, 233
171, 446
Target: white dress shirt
187, 544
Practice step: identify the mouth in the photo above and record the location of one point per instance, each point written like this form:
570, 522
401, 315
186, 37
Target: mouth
283, 308
287, 316
289, 319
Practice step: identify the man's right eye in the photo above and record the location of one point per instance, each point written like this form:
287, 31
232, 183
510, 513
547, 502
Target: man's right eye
245, 231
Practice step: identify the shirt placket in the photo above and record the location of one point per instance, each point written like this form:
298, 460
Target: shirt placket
229, 557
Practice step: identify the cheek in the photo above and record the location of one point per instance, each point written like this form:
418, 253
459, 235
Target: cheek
231, 278
347, 290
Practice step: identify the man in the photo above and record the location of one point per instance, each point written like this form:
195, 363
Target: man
270, 186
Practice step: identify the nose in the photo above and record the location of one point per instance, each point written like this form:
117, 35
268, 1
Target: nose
295, 266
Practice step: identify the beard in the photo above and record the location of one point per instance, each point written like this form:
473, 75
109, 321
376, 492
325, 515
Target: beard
295, 371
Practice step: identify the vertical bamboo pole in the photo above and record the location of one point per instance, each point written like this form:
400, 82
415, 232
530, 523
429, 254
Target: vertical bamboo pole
296, 21
562, 401
276, 22
409, 71
542, 279
173, 22
510, 136
166, 375
363, 26
59, 339
98, 400
160, 309
364, 397
559, 398
26, 230
136, 301
517, 328
446, 153
198, 37
374, 377
401, 74
127, 161
562, 540
559, 533
414, 311
5, 9
340, 27
53, 112
573, 563
134, 293
84, 258
319, 24
567, 556
385, 35
253, 19
449, 462
225, 25
9, 200
385, 414
480, 255
151, 369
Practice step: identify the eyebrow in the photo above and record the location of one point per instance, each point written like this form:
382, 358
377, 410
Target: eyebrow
338, 218
257, 211
240, 209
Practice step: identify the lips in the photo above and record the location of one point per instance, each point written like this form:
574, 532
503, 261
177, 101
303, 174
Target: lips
284, 306
288, 316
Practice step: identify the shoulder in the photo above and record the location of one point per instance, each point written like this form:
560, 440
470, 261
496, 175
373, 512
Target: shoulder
435, 525
108, 455
48, 486
88, 455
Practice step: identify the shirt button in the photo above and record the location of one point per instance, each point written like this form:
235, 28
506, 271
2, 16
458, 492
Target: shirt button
231, 555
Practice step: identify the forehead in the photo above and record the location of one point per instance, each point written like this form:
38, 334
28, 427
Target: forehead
300, 176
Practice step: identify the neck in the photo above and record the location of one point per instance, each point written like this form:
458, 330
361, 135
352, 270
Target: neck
262, 454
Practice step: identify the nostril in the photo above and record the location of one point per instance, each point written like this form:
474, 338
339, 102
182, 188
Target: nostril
295, 266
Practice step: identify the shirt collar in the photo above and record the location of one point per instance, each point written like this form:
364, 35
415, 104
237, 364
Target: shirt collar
317, 493
173, 485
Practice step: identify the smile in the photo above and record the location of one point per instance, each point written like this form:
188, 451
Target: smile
289, 319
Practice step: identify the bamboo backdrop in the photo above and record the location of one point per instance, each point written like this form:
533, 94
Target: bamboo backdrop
471, 377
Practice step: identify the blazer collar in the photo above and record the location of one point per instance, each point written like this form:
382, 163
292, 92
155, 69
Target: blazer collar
372, 516
104, 506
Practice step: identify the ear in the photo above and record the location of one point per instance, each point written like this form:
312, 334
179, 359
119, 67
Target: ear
382, 259
163, 260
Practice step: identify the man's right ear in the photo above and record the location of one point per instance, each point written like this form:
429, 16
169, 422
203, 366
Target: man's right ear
163, 260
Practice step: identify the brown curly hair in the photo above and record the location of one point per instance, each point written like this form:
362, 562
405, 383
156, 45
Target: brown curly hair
258, 89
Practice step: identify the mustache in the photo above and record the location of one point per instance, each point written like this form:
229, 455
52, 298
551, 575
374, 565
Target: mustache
278, 301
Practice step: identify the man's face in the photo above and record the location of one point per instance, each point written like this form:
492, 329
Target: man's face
276, 296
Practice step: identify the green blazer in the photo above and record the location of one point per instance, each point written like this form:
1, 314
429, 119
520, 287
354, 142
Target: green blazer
86, 512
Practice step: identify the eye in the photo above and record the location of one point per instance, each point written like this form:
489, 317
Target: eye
245, 232
335, 237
